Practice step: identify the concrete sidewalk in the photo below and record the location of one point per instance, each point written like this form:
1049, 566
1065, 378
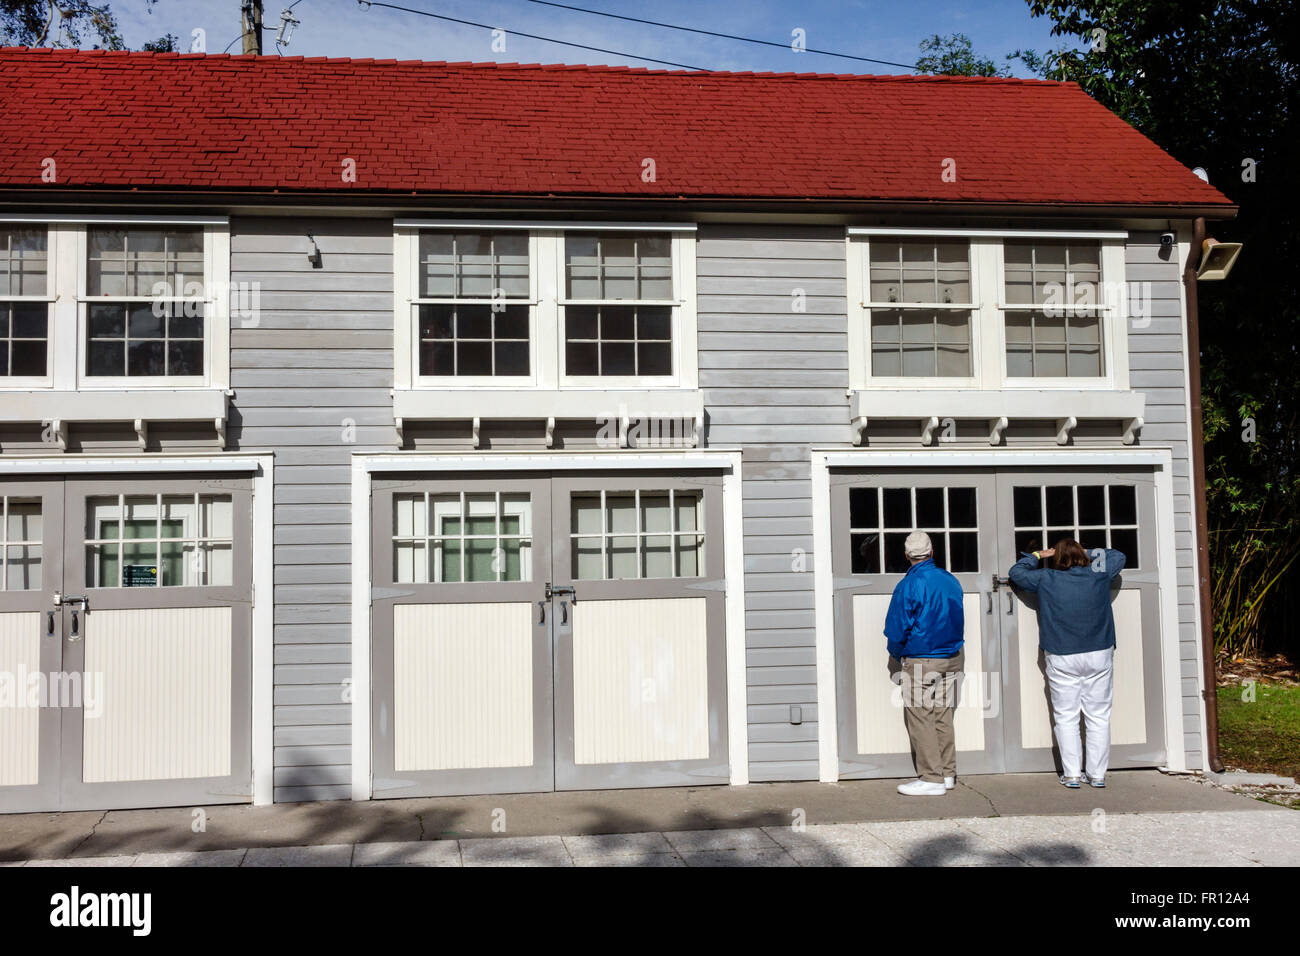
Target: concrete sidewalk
1142, 818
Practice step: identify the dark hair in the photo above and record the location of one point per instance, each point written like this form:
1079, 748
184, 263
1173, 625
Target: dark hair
1069, 554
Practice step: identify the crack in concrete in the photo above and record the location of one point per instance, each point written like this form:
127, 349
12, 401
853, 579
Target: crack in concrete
962, 782
93, 827
419, 818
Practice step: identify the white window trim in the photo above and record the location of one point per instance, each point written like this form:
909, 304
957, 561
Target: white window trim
25, 382
66, 294
988, 324
533, 301
546, 313
860, 375
216, 317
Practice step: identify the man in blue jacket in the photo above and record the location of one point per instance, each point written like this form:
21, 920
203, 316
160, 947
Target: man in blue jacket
924, 631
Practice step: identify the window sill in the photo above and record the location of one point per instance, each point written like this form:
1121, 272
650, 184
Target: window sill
60, 407
1067, 406
476, 405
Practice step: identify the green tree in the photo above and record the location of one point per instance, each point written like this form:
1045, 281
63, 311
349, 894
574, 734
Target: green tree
66, 23
953, 55
1214, 83
167, 43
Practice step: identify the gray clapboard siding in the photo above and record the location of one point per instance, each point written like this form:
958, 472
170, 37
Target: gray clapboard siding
774, 381
312, 381
1157, 367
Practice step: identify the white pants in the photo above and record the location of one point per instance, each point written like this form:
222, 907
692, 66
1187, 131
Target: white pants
1082, 682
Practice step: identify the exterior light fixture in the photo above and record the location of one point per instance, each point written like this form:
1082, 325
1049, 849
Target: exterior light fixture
1217, 259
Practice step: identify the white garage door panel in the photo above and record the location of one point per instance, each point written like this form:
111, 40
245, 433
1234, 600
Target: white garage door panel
463, 686
20, 656
968, 723
1035, 717
1128, 718
880, 713
166, 685
640, 680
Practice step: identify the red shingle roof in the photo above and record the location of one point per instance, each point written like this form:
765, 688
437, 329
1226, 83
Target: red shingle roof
196, 122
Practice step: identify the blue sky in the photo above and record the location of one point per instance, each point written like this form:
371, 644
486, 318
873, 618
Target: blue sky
884, 29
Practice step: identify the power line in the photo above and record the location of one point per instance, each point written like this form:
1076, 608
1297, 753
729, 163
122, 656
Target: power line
531, 36
725, 36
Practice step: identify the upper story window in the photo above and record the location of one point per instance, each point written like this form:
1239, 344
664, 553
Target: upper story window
978, 310
127, 304
24, 303
618, 307
545, 306
475, 304
1053, 309
145, 294
920, 309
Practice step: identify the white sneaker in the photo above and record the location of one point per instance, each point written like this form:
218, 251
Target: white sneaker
922, 788
949, 782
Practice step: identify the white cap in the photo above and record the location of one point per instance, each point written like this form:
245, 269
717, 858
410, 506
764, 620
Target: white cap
918, 546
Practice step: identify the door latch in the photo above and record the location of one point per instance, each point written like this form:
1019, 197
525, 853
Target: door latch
80, 604
564, 590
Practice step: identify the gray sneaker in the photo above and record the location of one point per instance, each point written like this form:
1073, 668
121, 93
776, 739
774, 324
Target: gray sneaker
1071, 782
1099, 782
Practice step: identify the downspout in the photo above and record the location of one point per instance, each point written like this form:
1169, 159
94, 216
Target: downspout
1209, 679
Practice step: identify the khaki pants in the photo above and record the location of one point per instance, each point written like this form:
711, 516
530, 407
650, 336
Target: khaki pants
930, 686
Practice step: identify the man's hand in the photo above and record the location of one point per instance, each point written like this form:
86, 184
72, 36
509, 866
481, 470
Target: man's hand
1047, 553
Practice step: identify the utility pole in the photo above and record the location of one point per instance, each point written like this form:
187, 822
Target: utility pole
250, 14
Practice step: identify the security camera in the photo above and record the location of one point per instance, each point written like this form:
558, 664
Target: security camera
1166, 239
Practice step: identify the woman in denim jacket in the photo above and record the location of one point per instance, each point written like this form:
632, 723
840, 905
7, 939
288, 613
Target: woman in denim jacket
1076, 631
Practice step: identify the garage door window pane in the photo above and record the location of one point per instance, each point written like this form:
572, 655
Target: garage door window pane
876, 545
1095, 515
21, 530
182, 540
470, 538
638, 534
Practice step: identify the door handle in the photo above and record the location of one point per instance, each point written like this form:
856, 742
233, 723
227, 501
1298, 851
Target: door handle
564, 612
541, 612
49, 623
1011, 602
75, 635
990, 597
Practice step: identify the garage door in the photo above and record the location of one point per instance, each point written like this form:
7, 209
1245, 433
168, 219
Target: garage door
981, 521
125, 611
543, 632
